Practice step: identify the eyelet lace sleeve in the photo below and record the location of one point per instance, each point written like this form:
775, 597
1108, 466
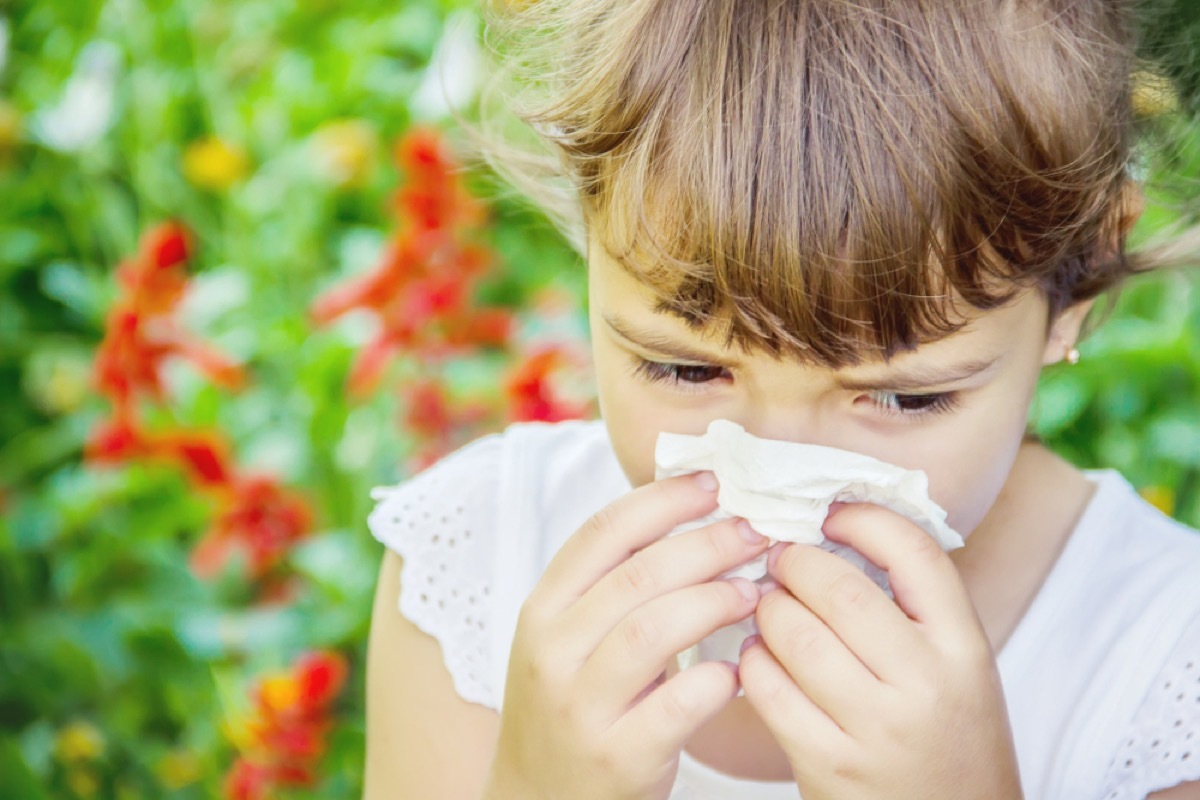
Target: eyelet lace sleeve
1163, 746
441, 524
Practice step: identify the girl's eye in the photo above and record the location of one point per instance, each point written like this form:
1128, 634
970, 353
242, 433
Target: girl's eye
913, 405
685, 377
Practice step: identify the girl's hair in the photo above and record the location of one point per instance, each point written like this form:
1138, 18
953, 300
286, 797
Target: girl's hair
824, 179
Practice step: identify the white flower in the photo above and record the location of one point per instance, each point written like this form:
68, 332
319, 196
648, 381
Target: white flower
85, 112
454, 71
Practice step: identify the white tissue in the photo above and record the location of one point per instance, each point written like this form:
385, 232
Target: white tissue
784, 490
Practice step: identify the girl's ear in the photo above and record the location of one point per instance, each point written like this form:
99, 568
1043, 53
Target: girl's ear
1064, 331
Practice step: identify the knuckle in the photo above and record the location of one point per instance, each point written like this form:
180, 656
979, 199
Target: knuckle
602, 522
848, 592
677, 708
924, 550
719, 541
639, 632
531, 618
541, 666
804, 643
636, 576
763, 681
844, 768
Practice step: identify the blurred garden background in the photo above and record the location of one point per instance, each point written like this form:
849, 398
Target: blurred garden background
246, 275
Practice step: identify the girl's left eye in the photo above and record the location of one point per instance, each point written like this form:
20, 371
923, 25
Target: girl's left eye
913, 405
685, 377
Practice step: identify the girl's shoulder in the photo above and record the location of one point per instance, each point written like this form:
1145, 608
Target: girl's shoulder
1101, 673
475, 530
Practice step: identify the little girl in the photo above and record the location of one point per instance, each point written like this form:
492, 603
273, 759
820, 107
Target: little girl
864, 224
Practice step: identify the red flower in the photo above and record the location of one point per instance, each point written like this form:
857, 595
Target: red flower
320, 676
422, 289
167, 245
203, 454
248, 781
113, 441
140, 333
286, 736
259, 517
531, 393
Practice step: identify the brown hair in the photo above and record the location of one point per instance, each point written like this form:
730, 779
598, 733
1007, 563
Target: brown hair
825, 178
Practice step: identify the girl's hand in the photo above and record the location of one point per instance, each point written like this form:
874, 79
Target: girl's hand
587, 712
875, 699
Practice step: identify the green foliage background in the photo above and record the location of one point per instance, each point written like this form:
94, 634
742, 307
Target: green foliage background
100, 620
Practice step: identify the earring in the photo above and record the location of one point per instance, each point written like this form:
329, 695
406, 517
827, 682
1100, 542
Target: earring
1072, 356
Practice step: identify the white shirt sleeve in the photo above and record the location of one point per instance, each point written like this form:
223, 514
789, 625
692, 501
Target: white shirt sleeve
1163, 746
442, 524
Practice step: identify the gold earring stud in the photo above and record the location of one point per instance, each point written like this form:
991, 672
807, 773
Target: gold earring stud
1072, 356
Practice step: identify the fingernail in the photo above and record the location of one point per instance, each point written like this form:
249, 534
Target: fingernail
748, 533
766, 585
749, 642
745, 588
706, 481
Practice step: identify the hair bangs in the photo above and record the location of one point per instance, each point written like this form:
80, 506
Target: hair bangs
836, 180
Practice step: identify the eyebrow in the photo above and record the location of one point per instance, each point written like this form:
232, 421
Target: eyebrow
913, 378
663, 345
919, 377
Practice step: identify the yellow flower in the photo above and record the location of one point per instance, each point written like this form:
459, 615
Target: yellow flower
344, 151
214, 164
10, 128
79, 741
83, 783
58, 381
1153, 94
1161, 497
178, 768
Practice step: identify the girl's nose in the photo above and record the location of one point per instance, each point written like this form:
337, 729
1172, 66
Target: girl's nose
790, 425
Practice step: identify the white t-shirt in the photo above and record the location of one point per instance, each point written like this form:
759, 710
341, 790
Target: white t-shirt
1101, 675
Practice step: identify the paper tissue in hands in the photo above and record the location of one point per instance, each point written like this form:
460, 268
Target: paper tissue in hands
784, 489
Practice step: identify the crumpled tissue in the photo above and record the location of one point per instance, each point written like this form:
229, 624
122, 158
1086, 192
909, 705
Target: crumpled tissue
784, 490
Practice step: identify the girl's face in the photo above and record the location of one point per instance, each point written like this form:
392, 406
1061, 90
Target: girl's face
955, 408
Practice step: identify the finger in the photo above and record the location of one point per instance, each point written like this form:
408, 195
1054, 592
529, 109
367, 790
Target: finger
669, 716
691, 558
865, 619
795, 721
923, 578
635, 652
618, 530
819, 663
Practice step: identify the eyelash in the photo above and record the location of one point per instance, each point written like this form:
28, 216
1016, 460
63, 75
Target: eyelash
939, 402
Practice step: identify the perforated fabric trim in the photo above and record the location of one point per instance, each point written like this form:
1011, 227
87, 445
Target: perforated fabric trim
1163, 747
441, 523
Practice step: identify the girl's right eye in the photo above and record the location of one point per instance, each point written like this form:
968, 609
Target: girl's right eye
685, 377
